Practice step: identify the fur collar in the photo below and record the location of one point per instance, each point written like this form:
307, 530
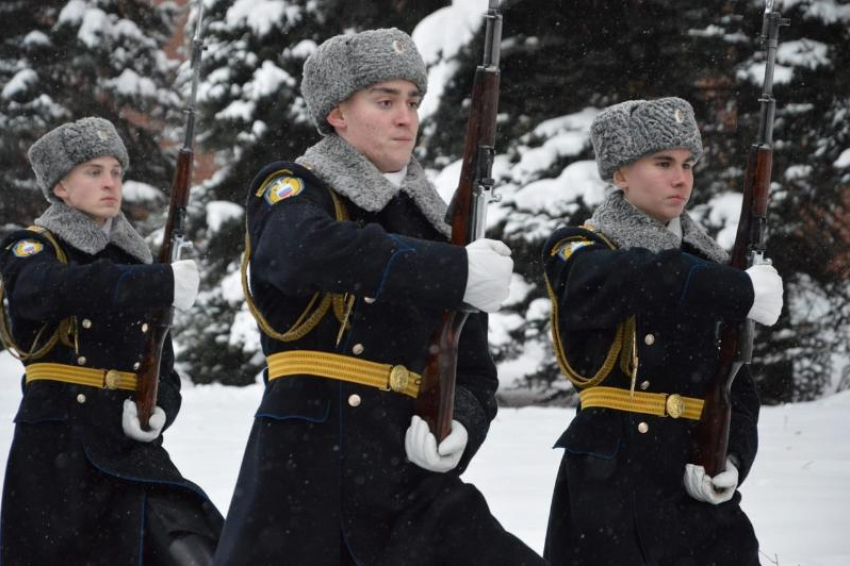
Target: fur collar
629, 227
82, 233
352, 175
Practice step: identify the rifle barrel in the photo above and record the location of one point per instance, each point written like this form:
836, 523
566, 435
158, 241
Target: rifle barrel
172, 241
467, 217
736, 341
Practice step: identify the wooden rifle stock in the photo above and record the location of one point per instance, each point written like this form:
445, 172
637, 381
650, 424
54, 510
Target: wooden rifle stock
172, 240
736, 340
160, 320
467, 217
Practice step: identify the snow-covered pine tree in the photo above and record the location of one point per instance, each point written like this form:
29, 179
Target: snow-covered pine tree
62, 60
810, 224
563, 61
252, 114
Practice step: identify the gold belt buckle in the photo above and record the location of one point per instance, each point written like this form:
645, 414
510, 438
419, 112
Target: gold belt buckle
675, 406
399, 379
112, 379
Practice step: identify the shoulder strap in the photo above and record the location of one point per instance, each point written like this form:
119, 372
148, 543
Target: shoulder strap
624, 345
316, 307
64, 329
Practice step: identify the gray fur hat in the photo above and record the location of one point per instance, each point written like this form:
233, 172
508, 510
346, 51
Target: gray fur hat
58, 151
344, 64
625, 132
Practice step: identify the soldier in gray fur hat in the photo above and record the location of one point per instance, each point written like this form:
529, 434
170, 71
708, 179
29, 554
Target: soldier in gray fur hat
345, 64
56, 153
337, 469
80, 285
637, 293
625, 132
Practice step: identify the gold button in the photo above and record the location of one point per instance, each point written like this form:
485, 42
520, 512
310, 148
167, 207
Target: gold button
86, 323
368, 300
81, 398
399, 378
649, 339
644, 385
112, 379
137, 365
81, 360
643, 428
354, 400
145, 327
357, 349
675, 406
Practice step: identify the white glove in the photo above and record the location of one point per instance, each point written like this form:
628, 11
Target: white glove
422, 450
490, 267
767, 286
132, 426
716, 490
186, 282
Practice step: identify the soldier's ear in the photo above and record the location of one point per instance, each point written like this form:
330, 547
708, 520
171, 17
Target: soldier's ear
620, 179
336, 118
60, 191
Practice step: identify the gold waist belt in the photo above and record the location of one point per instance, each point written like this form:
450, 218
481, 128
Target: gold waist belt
658, 404
344, 368
92, 377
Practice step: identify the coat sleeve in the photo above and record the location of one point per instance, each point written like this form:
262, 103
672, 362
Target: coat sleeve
168, 394
300, 248
743, 430
44, 289
597, 287
475, 392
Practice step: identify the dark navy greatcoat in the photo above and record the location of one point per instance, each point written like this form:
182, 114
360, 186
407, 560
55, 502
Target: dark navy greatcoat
619, 496
76, 487
325, 479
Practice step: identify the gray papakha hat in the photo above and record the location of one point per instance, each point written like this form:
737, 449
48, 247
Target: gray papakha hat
625, 132
58, 151
344, 64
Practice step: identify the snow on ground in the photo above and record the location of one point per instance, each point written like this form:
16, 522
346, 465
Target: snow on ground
797, 496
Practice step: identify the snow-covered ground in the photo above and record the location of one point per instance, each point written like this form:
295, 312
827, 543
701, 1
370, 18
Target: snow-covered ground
798, 495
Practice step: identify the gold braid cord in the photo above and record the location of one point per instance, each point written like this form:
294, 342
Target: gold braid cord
65, 330
624, 345
317, 307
